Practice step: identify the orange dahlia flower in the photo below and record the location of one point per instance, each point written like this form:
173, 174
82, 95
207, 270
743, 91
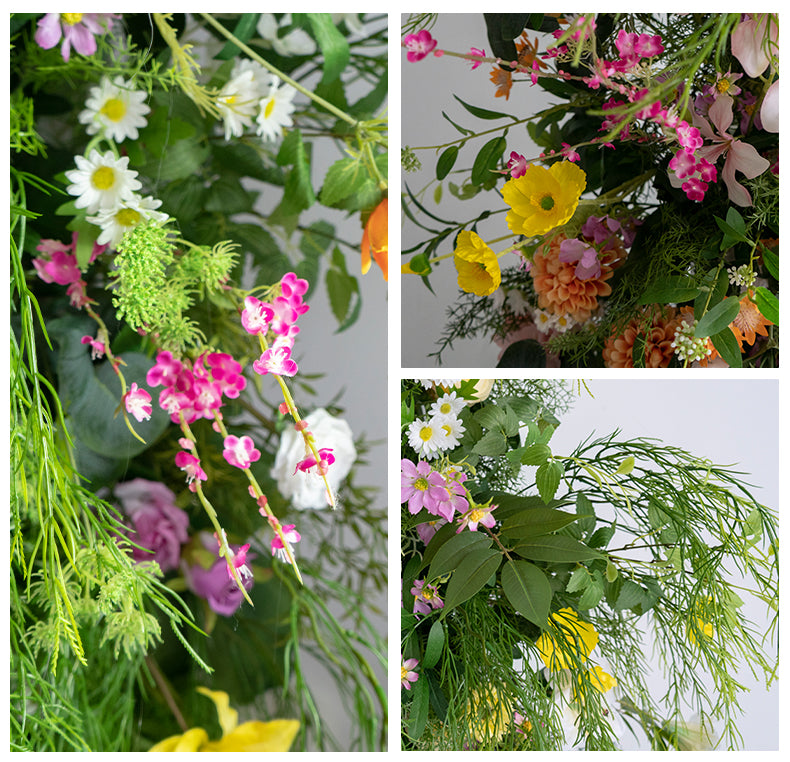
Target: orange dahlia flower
658, 332
374, 239
560, 291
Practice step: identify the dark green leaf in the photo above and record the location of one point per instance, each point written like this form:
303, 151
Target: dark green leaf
556, 549
491, 444
228, 197
482, 113
767, 303
771, 262
343, 291
547, 479
333, 44
487, 160
631, 595
418, 709
672, 289
472, 573
727, 346
453, 551
460, 129
434, 645
535, 522
528, 590
718, 318
446, 162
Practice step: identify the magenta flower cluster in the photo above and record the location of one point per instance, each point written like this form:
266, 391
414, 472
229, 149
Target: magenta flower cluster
58, 264
277, 319
419, 45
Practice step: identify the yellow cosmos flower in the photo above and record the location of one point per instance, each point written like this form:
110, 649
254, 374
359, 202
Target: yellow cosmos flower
477, 265
277, 735
581, 636
543, 199
489, 714
601, 681
706, 628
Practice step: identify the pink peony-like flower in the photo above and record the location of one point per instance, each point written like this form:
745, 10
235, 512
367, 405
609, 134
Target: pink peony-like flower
240, 451
78, 30
138, 403
418, 45
159, 525
277, 361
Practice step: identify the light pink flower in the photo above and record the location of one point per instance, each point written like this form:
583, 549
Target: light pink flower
277, 361
480, 514
754, 41
418, 45
740, 156
240, 451
420, 485
256, 315
78, 30
77, 295
407, 675
574, 250
769, 111
647, 46
138, 403
426, 597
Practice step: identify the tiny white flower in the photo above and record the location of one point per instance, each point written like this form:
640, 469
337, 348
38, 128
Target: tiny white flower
238, 100
447, 383
425, 437
448, 404
115, 109
451, 430
101, 181
544, 321
117, 220
563, 323
276, 109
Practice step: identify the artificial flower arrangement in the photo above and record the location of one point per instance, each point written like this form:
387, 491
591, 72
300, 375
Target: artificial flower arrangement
647, 229
161, 267
532, 581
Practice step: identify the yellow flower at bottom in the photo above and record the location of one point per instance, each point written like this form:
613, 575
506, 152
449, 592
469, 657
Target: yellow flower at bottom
580, 636
477, 265
543, 199
489, 714
277, 735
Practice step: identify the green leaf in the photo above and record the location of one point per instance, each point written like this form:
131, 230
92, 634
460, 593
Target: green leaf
228, 197
771, 262
333, 44
453, 551
767, 303
434, 645
528, 590
535, 455
585, 512
343, 178
626, 466
420, 265
482, 113
488, 159
547, 479
593, 593
556, 549
180, 160
674, 289
631, 595
446, 162
727, 346
418, 709
536, 522
460, 129
718, 318
612, 571
243, 31
491, 444
580, 580
343, 291
472, 573
491, 417
734, 228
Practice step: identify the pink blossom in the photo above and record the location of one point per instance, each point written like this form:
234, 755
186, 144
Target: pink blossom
480, 514
517, 164
428, 529
695, 188
603, 231
426, 597
755, 41
167, 370
291, 536
408, 676
97, 347
740, 156
568, 152
240, 451
420, 485
477, 53
58, 265
239, 562
292, 289
418, 45
574, 250
683, 163
256, 315
226, 373
77, 29
689, 137
190, 465
325, 459
647, 46
77, 296
276, 360
283, 318
138, 403
769, 111
452, 499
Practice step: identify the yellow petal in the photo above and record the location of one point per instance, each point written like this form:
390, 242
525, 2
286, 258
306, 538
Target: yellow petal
277, 735
192, 740
228, 717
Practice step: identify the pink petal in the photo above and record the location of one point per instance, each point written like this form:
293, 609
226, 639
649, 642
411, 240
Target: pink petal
49, 31
737, 193
748, 43
745, 158
769, 111
720, 113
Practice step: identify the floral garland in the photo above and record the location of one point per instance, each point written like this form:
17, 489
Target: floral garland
655, 194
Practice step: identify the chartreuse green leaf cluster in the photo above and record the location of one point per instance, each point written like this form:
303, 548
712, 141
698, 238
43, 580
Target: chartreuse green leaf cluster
635, 539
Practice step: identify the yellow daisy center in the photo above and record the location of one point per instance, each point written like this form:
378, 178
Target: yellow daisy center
447, 430
114, 109
421, 484
267, 112
426, 432
476, 514
403, 673
723, 85
128, 218
445, 408
103, 178
71, 18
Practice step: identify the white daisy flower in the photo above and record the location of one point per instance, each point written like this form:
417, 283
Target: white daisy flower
544, 321
101, 182
294, 43
447, 383
115, 109
238, 100
564, 322
425, 436
353, 22
451, 430
448, 404
117, 220
276, 110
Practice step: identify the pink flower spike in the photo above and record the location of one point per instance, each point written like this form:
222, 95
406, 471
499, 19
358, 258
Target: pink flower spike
291, 536
517, 164
569, 153
60, 267
418, 45
240, 451
138, 403
477, 53
97, 348
256, 315
240, 563
277, 361
190, 465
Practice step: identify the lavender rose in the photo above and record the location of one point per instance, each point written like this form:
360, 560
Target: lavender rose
207, 576
159, 525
